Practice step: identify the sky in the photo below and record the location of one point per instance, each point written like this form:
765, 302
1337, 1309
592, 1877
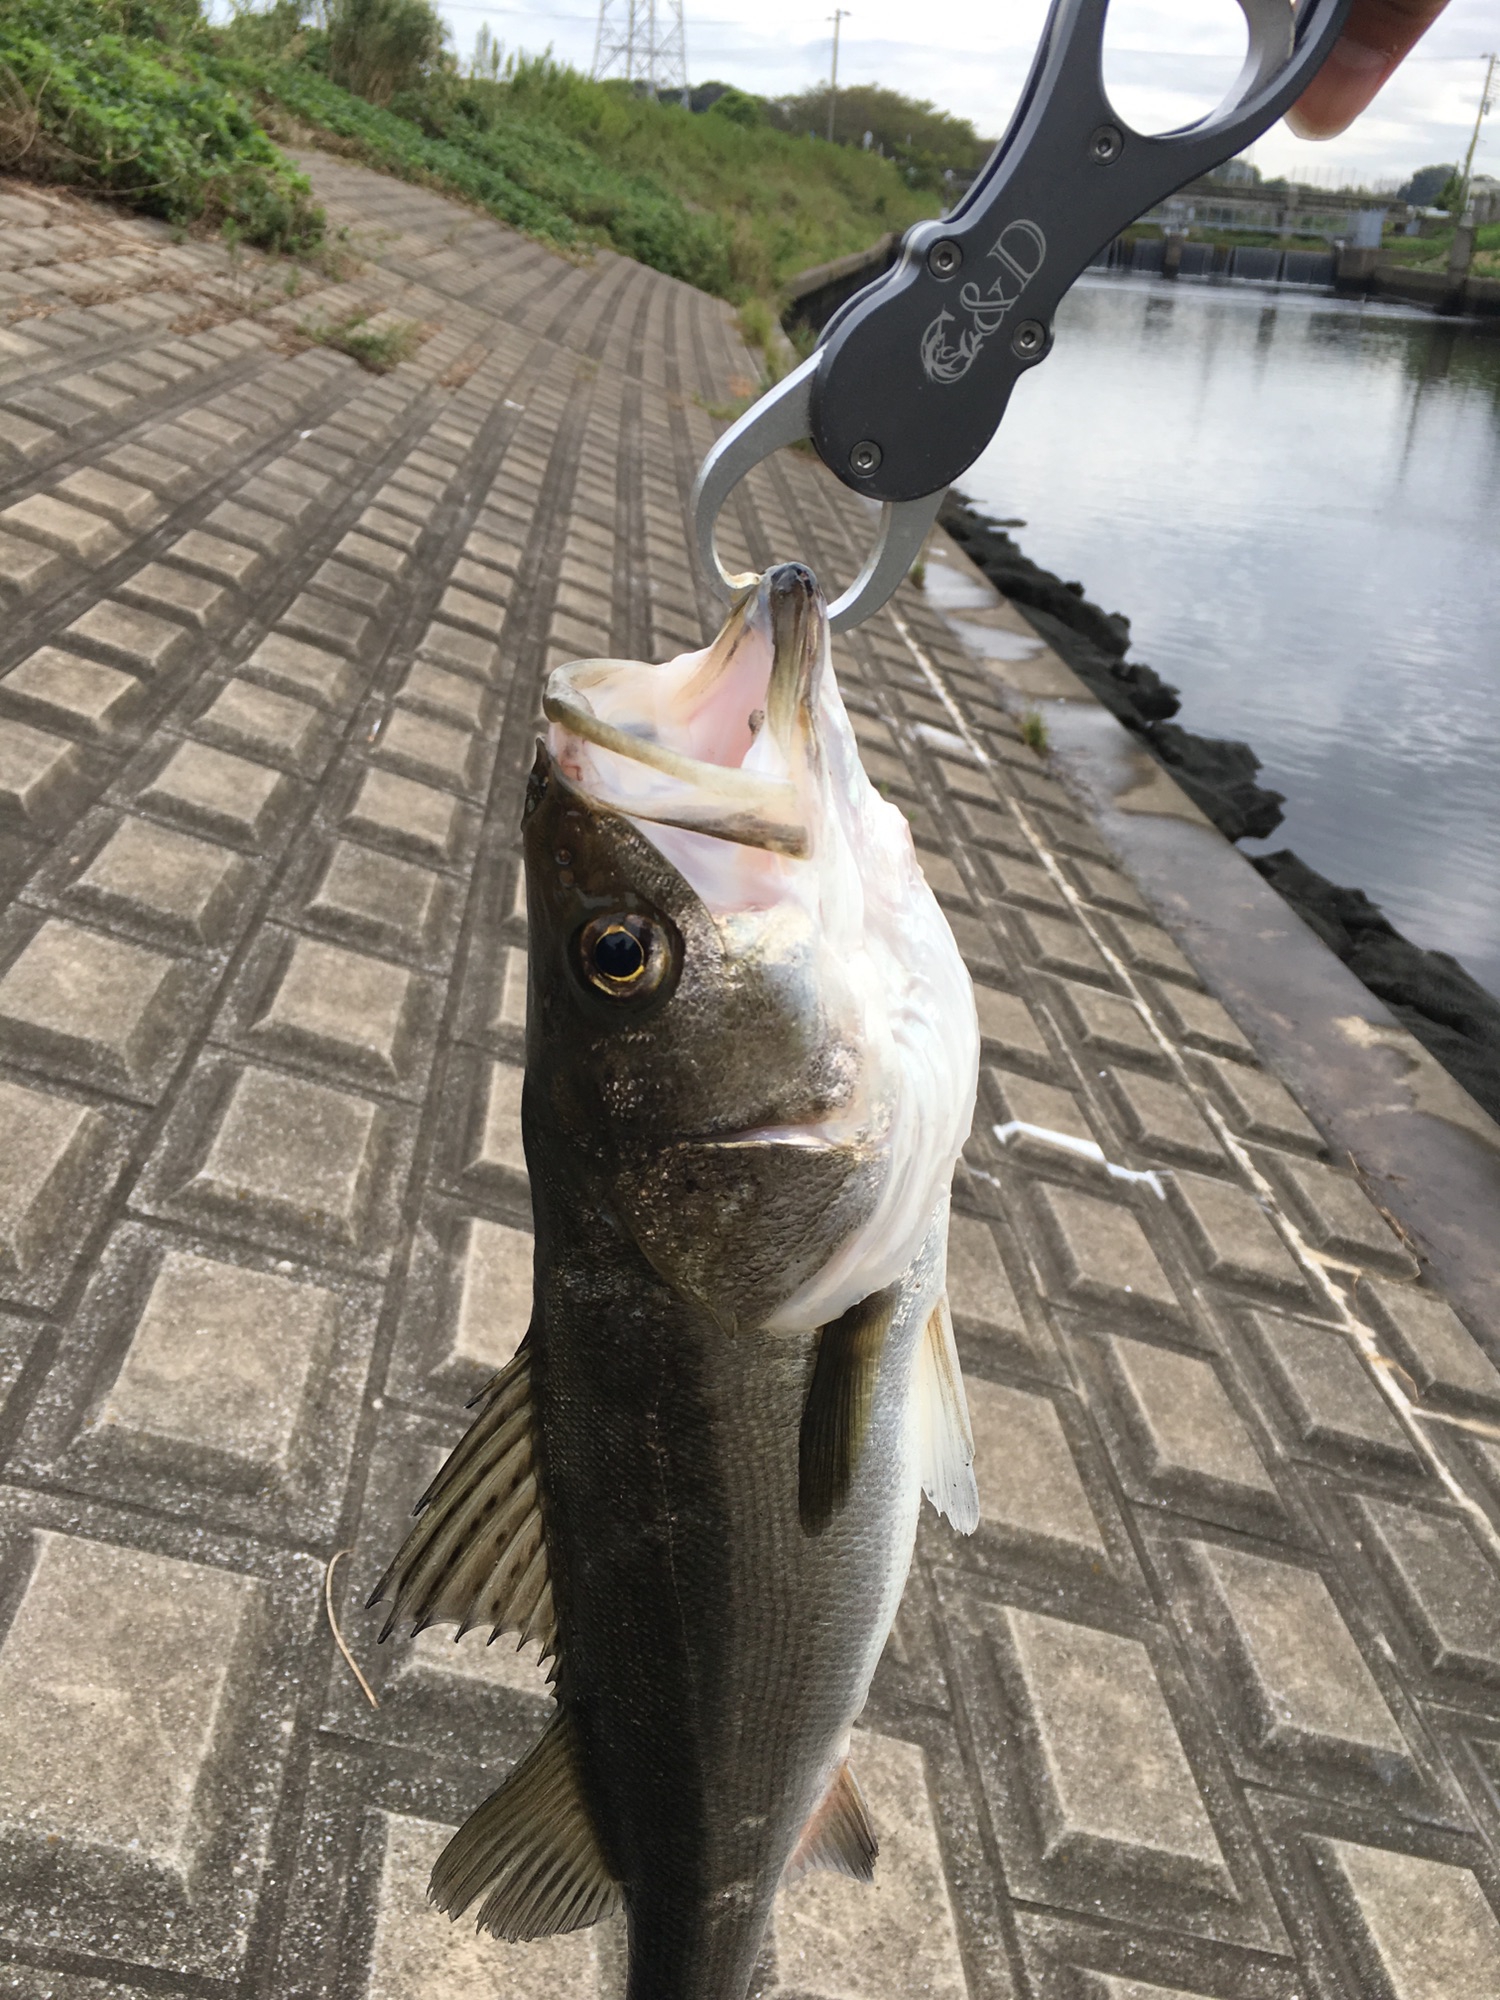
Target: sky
1167, 61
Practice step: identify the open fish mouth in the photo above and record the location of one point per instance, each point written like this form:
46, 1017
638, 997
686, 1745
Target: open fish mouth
720, 742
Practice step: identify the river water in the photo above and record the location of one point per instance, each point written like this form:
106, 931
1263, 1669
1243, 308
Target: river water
1296, 501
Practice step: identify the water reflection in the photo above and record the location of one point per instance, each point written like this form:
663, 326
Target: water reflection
1295, 501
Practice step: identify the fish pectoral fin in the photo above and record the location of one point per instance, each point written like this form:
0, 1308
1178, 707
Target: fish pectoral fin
836, 1414
945, 1442
839, 1835
478, 1554
530, 1850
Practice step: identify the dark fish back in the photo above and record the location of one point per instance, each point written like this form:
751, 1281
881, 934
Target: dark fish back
712, 1651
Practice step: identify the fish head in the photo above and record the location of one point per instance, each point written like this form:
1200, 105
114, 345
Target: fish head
749, 1031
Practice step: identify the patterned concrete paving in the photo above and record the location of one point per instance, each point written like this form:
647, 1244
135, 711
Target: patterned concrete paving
1210, 1705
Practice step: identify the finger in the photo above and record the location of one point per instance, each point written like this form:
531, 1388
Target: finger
1376, 37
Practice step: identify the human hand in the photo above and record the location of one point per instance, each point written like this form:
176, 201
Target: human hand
1377, 37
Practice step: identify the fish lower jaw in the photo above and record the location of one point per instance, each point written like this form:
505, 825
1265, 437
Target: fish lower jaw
849, 1130
806, 1138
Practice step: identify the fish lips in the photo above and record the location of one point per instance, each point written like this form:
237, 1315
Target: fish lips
791, 611
725, 701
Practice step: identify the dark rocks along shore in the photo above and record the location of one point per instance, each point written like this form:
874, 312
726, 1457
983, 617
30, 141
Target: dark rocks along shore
1455, 1018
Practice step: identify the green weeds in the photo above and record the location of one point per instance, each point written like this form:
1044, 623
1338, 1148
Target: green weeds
378, 348
523, 170
144, 100
757, 324
734, 208
1034, 733
118, 99
377, 47
1431, 253
761, 332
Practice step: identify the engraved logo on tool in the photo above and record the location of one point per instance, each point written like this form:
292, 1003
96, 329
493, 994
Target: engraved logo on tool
1019, 250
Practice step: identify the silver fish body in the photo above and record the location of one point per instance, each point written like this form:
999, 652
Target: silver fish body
697, 1484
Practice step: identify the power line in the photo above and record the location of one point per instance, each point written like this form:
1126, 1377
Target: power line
522, 13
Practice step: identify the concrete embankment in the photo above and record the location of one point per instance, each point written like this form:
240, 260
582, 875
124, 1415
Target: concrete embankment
1455, 1018
814, 296
1366, 274
1206, 1706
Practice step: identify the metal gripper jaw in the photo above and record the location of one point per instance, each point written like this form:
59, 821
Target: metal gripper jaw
913, 374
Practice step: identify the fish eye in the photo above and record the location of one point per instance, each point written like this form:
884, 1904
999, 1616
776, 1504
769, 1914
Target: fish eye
626, 955
618, 955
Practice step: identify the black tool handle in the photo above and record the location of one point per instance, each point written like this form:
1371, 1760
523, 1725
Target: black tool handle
916, 370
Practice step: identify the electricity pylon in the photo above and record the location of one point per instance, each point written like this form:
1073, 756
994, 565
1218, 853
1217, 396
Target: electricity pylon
643, 41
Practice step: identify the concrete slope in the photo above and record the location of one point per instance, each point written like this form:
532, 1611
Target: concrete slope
1209, 1706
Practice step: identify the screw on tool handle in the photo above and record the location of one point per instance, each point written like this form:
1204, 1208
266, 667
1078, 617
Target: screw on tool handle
914, 373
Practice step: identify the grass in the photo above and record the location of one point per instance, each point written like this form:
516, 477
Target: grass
524, 171
783, 201
1430, 253
378, 348
144, 100
734, 209
757, 325
121, 99
1034, 733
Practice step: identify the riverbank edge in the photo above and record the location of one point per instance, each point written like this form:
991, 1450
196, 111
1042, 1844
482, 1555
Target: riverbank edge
1454, 1018
1426, 1150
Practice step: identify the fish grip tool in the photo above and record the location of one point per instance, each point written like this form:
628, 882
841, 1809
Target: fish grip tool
912, 375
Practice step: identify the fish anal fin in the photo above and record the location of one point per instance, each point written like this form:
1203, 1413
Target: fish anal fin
839, 1835
530, 1851
836, 1414
478, 1550
945, 1440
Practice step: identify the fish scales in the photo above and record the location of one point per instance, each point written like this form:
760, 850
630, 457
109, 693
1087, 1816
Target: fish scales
751, 1055
717, 1654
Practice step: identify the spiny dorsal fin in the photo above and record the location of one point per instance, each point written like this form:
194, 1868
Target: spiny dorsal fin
836, 1414
530, 1850
477, 1555
945, 1442
839, 1835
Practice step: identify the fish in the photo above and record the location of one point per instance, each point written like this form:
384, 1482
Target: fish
751, 1063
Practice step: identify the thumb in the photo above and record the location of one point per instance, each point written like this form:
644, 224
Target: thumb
1377, 37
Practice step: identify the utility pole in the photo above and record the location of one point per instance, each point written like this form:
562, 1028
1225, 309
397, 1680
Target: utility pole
1461, 249
1484, 105
838, 14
